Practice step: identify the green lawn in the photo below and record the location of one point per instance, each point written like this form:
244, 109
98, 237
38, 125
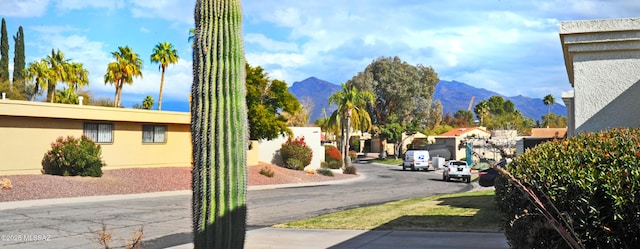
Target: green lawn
463, 212
388, 160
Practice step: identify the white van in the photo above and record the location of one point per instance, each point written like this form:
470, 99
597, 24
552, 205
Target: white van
416, 159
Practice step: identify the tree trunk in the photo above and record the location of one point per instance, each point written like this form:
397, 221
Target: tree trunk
219, 126
347, 161
115, 98
161, 85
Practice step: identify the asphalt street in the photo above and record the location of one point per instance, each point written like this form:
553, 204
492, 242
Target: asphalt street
166, 217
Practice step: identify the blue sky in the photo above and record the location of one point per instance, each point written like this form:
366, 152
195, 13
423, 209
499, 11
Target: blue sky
511, 47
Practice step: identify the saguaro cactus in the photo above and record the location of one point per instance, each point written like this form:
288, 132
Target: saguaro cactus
219, 126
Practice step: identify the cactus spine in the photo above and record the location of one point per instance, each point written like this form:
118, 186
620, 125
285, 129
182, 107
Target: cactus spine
219, 126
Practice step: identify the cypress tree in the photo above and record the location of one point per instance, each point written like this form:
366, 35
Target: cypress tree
4, 54
19, 63
219, 126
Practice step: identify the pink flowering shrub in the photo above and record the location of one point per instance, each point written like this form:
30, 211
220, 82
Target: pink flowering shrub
296, 154
71, 156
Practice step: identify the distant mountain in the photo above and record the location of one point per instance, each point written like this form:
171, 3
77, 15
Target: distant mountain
318, 91
456, 96
453, 95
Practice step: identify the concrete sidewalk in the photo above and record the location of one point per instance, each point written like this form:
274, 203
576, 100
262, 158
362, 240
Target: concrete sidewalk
282, 238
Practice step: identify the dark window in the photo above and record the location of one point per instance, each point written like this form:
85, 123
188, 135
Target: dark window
99, 132
154, 134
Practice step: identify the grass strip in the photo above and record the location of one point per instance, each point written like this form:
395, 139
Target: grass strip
461, 212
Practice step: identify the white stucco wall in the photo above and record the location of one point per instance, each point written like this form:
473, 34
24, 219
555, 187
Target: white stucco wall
603, 60
268, 150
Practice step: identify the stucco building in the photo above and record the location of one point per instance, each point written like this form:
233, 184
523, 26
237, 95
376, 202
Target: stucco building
129, 138
602, 59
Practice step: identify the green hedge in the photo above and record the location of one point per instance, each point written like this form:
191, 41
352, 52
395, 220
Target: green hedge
592, 179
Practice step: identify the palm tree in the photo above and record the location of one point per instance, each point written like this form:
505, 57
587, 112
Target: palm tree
482, 110
38, 72
549, 100
126, 66
147, 102
164, 54
78, 76
351, 106
58, 66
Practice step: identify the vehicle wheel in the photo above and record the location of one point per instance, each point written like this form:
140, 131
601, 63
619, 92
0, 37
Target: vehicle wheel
468, 179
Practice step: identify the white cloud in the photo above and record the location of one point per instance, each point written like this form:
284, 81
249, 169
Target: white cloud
269, 44
23, 8
173, 10
82, 4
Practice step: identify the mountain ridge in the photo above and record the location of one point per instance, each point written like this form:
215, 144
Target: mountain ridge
453, 95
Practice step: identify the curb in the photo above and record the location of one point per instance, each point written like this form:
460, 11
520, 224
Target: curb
104, 198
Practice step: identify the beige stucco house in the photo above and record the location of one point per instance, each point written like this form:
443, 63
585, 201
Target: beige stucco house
129, 138
453, 138
602, 59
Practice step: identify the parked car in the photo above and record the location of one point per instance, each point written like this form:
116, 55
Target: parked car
458, 170
488, 176
416, 159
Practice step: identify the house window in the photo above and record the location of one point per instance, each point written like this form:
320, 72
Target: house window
99, 132
154, 133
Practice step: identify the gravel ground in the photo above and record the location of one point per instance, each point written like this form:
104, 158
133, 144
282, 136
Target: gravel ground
133, 181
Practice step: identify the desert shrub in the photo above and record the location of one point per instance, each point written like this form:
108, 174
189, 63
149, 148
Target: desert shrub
353, 154
349, 169
324, 172
331, 164
294, 163
592, 179
71, 156
296, 154
266, 171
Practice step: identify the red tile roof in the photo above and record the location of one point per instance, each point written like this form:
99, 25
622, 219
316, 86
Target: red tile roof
548, 132
461, 131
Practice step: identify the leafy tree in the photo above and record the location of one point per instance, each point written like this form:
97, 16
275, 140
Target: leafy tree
147, 103
351, 112
127, 65
219, 134
496, 113
4, 54
552, 120
163, 54
399, 88
267, 100
38, 73
435, 116
463, 118
19, 64
498, 106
